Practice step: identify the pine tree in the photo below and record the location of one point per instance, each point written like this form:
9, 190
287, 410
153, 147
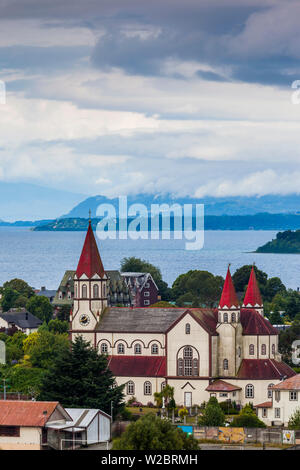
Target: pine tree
80, 378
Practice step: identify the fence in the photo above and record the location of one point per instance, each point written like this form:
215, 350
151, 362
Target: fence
244, 435
15, 396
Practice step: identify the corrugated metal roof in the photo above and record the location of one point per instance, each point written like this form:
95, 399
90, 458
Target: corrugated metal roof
264, 369
22, 319
138, 366
292, 383
222, 386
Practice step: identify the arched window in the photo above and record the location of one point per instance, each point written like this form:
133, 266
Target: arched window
251, 349
188, 358
233, 318
225, 317
239, 351
104, 290
104, 348
187, 329
84, 291
75, 291
154, 349
263, 349
96, 291
121, 348
270, 393
273, 349
225, 364
147, 388
249, 391
130, 388
138, 349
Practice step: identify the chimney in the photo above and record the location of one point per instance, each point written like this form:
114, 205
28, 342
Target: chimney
26, 315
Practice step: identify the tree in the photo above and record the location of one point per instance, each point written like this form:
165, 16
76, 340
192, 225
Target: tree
79, 377
43, 347
247, 419
40, 306
162, 304
58, 326
241, 278
153, 433
14, 346
9, 297
275, 317
213, 414
201, 286
294, 421
20, 286
273, 286
63, 313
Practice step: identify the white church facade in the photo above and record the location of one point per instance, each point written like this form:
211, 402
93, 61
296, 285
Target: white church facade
230, 352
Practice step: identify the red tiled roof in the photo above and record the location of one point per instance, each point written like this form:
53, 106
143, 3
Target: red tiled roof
228, 297
137, 366
25, 413
221, 386
254, 323
292, 383
90, 262
266, 404
265, 369
252, 296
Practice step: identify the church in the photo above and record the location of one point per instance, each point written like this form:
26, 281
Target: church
230, 352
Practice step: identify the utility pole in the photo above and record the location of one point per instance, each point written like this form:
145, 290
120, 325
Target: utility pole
4, 388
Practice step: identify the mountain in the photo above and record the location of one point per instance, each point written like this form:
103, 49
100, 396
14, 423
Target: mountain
24, 201
272, 204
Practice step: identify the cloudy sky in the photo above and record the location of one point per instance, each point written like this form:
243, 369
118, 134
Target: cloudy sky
115, 97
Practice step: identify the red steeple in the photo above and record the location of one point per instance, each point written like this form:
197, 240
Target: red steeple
252, 296
228, 297
90, 262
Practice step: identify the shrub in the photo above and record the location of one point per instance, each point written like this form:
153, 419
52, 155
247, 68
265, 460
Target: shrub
150, 404
247, 419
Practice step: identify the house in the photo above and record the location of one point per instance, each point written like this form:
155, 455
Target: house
118, 291
34, 425
20, 319
187, 348
284, 400
50, 294
143, 289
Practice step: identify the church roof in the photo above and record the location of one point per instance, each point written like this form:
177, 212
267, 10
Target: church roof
222, 386
90, 262
151, 320
252, 296
138, 366
228, 297
254, 323
264, 369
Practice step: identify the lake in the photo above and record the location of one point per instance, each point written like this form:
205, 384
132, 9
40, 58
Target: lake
41, 258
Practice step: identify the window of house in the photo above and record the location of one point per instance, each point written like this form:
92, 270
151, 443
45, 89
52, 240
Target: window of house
293, 396
60, 295
130, 388
263, 349
225, 317
147, 388
154, 349
188, 364
96, 291
251, 349
223, 394
277, 395
121, 348
273, 349
270, 393
180, 366
137, 349
195, 367
277, 412
239, 351
264, 413
187, 329
146, 294
84, 291
225, 364
233, 318
104, 290
146, 302
76, 291
104, 348
249, 391
69, 295
11, 431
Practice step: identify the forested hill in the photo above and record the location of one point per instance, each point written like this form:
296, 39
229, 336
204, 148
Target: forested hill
285, 242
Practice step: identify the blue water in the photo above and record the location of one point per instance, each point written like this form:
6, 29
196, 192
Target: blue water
41, 258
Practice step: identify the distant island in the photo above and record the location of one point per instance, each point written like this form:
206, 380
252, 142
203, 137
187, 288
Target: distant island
285, 242
263, 221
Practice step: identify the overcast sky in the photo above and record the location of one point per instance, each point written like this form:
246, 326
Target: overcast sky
115, 97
